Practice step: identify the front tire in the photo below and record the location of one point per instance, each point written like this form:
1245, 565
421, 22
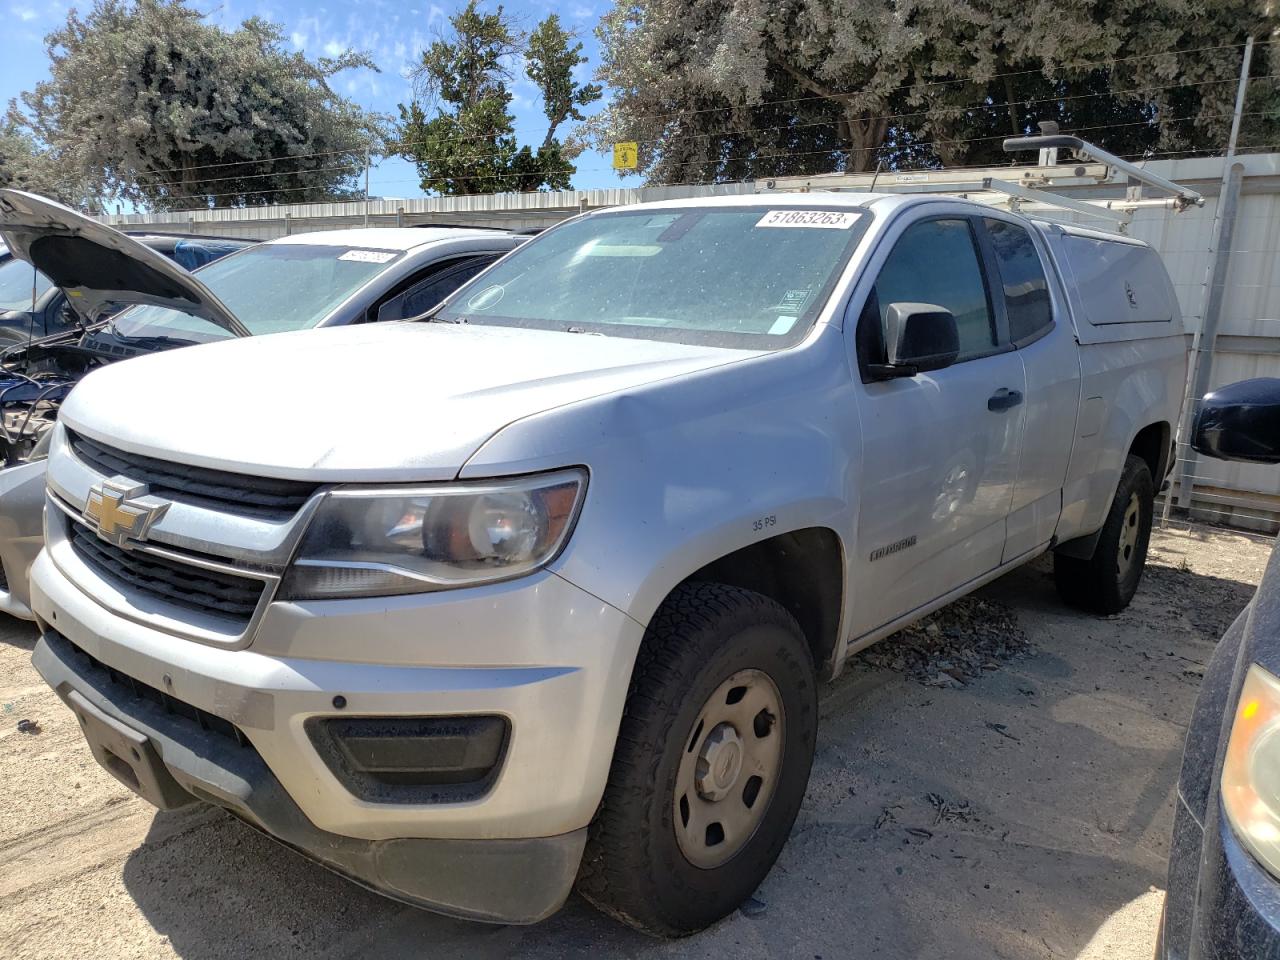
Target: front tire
711, 763
1107, 581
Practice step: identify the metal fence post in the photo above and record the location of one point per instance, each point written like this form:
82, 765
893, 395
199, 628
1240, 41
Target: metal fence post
1200, 366
366, 186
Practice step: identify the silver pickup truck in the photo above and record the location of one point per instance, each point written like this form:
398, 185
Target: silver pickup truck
538, 587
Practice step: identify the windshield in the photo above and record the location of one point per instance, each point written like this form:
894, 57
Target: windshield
733, 276
271, 288
15, 284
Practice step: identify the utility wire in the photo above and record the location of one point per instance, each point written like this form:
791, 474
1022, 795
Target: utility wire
825, 123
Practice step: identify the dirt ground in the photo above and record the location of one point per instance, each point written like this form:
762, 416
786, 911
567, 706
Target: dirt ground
1009, 802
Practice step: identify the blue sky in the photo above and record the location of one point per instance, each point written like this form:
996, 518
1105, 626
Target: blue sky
391, 32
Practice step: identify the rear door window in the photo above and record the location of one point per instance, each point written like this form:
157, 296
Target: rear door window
1022, 277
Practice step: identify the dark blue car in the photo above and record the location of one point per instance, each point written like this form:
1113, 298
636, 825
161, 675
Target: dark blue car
1224, 862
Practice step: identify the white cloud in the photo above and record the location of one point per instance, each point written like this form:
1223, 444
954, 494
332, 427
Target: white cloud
581, 12
25, 14
298, 39
332, 48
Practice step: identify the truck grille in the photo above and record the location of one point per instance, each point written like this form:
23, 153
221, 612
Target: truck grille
262, 497
207, 591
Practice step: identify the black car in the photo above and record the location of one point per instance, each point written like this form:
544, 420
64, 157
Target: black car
1224, 861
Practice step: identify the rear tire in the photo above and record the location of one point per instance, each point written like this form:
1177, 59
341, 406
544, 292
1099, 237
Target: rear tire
711, 763
1107, 581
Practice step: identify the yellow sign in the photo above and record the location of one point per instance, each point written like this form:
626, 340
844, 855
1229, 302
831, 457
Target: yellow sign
625, 155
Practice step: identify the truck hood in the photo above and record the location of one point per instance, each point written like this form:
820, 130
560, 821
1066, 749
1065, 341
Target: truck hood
97, 265
384, 402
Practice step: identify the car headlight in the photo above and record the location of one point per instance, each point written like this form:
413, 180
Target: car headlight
385, 541
1251, 772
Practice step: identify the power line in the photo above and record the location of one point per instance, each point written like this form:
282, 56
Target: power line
485, 177
914, 144
982, 106
972, 78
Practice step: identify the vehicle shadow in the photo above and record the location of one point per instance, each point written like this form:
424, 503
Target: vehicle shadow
1008, 817
18, 633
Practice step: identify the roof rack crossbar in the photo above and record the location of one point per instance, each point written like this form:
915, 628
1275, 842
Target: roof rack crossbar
1033, 195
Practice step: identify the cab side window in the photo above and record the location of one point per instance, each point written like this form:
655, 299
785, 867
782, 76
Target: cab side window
934, 261
438, 284
1026, 291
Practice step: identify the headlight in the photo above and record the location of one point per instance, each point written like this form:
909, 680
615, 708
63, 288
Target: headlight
1251, 773
382, 542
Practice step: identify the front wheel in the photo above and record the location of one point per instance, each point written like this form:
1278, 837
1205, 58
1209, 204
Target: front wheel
1107, 581
711, 763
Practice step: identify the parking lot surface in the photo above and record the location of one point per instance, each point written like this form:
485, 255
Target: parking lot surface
996, 783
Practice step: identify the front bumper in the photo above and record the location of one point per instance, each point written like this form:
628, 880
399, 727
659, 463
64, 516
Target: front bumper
176, 759
550, 658
1221, 904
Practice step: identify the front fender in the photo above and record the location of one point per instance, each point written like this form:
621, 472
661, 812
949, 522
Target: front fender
687, 470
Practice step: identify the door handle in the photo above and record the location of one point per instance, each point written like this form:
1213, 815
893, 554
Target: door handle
1003, 399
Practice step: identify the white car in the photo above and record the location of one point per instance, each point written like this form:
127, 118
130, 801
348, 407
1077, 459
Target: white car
547, 594
325, 279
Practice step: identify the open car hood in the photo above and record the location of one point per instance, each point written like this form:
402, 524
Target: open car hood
97, 265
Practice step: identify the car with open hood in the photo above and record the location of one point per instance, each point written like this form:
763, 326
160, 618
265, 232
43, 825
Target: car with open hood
324, 279
33, 307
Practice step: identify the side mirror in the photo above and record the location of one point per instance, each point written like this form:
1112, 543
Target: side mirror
1240, 421
918, 337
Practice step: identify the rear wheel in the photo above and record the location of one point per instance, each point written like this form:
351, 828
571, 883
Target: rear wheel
711, 764
1107, 581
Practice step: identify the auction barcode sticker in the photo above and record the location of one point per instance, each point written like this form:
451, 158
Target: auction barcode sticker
368, 256
821, 219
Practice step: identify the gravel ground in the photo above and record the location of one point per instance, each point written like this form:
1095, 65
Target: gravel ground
994, 782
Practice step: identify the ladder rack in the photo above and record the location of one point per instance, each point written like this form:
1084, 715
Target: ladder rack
1031, 190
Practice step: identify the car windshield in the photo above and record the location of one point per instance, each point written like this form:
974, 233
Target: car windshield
271, 288
733, 276
15, 284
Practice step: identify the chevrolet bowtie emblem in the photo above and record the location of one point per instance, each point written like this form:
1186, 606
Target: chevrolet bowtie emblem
121, 510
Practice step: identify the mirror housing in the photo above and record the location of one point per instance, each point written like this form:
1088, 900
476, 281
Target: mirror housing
1240, 421
919, 337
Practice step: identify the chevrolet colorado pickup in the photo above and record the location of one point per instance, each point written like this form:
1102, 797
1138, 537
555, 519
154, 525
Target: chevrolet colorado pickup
538, 587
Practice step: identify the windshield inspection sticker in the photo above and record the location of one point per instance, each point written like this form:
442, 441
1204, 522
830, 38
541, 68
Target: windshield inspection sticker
368, 256
820, 219
795, 299
782, 325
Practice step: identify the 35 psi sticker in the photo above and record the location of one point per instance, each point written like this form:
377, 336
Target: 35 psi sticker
812, 219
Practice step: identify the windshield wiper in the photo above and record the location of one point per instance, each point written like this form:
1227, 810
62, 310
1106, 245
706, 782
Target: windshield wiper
158, 341
436, 318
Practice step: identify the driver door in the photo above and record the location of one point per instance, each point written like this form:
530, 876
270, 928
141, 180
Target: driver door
940, 449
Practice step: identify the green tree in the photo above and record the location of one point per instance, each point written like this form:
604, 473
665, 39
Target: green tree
551, 61
729, 89
463, 140
150, 102
24, 166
